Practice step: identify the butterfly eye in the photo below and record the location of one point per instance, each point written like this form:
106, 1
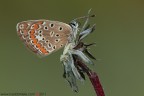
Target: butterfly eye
51, 25
73, 24
60, 28
45, 28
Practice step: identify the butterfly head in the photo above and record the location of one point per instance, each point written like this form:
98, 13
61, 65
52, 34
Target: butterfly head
74, 24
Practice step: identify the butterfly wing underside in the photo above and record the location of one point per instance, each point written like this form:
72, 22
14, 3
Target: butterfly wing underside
43, 36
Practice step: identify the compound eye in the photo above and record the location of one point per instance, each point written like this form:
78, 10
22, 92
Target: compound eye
73, 24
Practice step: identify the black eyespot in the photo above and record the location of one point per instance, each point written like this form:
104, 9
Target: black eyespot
43, 38
51, 25
60, 28
45, 28
47, 41
49, 45
40, 35
57, 35
61, 45
21, 26
54, 47
40, 31
56, 40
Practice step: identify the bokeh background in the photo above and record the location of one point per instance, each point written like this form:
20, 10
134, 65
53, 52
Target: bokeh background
119, 51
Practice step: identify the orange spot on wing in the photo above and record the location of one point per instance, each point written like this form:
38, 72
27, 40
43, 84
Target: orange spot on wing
38, 45
35, 41
43, 50
32, 36
36, 26
32, 32
40, 22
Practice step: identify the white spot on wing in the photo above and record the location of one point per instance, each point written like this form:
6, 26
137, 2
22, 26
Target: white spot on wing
44, 23
23, 37
32, 26
21, 26
39, 37
21, 32
51, 33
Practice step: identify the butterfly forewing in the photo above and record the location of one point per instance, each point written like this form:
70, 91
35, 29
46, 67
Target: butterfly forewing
43, 36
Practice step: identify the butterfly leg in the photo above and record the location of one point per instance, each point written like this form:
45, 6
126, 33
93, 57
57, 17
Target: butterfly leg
71, 72
84, 33
69, 76
82, 56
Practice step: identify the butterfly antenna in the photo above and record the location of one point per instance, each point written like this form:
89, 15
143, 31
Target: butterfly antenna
87, 16
87, 19
84, 17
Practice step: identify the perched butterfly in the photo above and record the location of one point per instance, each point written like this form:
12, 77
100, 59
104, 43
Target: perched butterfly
43, 36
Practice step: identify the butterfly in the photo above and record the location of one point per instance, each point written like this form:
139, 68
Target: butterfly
43, 36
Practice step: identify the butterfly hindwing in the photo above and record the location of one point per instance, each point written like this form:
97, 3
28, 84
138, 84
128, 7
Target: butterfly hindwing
43, 36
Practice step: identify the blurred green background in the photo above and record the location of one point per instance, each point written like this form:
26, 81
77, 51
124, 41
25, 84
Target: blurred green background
120, 47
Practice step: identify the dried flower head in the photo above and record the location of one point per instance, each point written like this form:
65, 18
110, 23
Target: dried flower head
74, 59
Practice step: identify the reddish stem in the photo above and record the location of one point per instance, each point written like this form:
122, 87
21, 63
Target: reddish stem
93, 78
96, 84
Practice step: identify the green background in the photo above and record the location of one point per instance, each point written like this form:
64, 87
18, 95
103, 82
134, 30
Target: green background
119, 50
